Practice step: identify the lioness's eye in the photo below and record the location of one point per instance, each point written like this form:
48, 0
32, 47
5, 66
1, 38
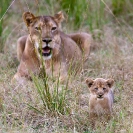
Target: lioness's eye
37, 28
53, 28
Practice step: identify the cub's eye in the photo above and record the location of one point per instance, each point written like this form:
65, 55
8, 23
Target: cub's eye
37, 28
53, 28
104, 88
96, 88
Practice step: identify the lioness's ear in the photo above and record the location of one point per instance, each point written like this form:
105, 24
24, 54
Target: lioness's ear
28, 18
89, 82
110, 82
59, 17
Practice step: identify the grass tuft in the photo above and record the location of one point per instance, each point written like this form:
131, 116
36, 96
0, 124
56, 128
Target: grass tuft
53, 100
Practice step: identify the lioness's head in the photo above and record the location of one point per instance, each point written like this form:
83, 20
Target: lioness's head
99, 87
44, 32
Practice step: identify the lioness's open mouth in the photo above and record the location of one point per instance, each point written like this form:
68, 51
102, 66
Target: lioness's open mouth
46, 51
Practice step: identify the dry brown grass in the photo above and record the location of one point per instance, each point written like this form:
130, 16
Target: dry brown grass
112, 58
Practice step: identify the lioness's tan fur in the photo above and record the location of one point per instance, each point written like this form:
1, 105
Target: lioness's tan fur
67, 50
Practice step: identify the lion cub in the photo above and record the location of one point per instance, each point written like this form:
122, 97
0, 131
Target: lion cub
101, 97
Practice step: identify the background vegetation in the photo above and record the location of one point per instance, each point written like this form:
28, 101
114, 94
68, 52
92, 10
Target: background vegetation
3, 7
64, 108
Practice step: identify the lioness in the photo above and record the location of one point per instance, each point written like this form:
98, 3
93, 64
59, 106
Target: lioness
101, 97
46, 43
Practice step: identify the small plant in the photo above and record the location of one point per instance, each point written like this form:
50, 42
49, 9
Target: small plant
54, 101
95, 14
118, 6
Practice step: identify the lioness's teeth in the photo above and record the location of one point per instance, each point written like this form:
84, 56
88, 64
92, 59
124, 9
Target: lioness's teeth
46, 51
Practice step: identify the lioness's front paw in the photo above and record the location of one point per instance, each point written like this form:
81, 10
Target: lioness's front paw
17, 79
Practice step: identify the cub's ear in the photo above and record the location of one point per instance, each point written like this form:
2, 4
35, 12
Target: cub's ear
28, 18
110, 82
89, 82
59, 17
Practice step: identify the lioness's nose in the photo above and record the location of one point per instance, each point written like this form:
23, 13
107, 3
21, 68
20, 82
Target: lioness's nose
47, 40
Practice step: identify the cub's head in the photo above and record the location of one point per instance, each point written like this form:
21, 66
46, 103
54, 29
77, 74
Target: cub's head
44, 33
99, 87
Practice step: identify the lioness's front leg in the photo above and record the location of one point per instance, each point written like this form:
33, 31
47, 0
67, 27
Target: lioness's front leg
26, 69
29, 63
21, 46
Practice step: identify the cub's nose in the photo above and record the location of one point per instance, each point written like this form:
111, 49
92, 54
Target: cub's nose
47, 40
100, 95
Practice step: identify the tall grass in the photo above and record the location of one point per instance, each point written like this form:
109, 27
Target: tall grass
96, 16
123, 9
118, 6
82, 13
4, 4
53, 100
93, 13
75, 10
